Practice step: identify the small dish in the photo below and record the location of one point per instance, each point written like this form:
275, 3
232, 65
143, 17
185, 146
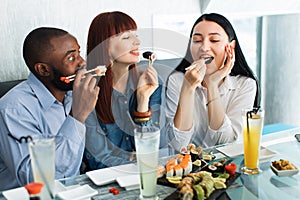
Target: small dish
266, 154
129, 182
284, 172
78, 193
109, 175
16, 193
234, 150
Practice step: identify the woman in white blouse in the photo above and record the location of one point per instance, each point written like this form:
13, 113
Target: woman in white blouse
210, 87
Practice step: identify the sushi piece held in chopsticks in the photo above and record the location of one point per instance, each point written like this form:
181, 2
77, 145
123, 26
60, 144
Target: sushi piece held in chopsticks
150, 56
97, 71
207, 60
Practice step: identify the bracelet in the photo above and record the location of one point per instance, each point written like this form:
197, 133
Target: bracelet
143, 114
141, 120
211, 100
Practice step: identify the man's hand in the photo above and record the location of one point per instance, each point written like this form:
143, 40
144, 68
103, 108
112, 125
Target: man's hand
85, 95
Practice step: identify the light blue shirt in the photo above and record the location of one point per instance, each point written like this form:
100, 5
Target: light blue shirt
30, 109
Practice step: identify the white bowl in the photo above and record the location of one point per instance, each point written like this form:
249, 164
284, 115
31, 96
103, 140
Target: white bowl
284, 172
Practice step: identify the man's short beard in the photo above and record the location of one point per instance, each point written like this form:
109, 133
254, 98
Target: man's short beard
61, 85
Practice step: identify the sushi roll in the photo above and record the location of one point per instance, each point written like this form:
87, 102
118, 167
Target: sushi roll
178, 170
212, 168
170, 171
190, 167
188, 180
195, 155
186, 192
150, 56
199, 191
186, 166
187, 158
191, 147
170, 167
179, 158
207, 184
184, 150
220, 166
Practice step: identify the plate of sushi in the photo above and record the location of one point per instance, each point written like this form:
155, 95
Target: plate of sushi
196, 178
189, 160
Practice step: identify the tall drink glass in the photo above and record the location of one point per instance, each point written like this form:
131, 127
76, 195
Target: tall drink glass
147, 147
42, 155
252, 128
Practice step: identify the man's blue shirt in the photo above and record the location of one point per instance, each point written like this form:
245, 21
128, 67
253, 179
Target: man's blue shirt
29, 109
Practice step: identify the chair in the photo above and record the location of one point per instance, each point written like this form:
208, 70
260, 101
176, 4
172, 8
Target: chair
6, 86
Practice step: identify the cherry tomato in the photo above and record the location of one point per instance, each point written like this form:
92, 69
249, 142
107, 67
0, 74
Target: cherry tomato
231, 168
116, 191
111, 190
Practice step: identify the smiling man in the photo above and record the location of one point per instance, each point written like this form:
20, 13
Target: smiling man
44, 106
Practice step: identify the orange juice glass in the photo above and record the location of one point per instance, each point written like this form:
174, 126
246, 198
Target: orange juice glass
252, 129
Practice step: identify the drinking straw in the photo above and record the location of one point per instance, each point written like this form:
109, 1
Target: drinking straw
248, 114
26, 139
255, 110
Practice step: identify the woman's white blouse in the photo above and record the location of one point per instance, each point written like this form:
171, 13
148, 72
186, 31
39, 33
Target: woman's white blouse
236, 92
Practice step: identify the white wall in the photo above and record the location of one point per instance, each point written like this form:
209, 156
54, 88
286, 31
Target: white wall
281, 72
18, 18
251, 7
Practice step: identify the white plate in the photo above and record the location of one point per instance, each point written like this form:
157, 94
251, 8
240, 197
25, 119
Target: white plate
129, 182
17, 193
79, 193
266, 154
235, 150
21, 192
109, 175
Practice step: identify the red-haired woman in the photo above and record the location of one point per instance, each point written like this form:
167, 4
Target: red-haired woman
127, 97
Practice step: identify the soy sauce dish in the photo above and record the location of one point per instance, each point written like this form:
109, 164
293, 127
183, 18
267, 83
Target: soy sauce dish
284, 168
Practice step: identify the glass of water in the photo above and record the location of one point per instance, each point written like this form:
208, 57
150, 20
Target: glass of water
147, 146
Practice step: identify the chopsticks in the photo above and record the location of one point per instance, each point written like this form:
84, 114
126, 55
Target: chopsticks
207, 60
98, 71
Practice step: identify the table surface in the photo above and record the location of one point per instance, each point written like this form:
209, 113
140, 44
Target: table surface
266, 185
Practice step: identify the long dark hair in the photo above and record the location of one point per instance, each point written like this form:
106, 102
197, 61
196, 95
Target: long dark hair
104, 26
240, 65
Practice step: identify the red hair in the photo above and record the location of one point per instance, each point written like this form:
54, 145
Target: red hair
104, 26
